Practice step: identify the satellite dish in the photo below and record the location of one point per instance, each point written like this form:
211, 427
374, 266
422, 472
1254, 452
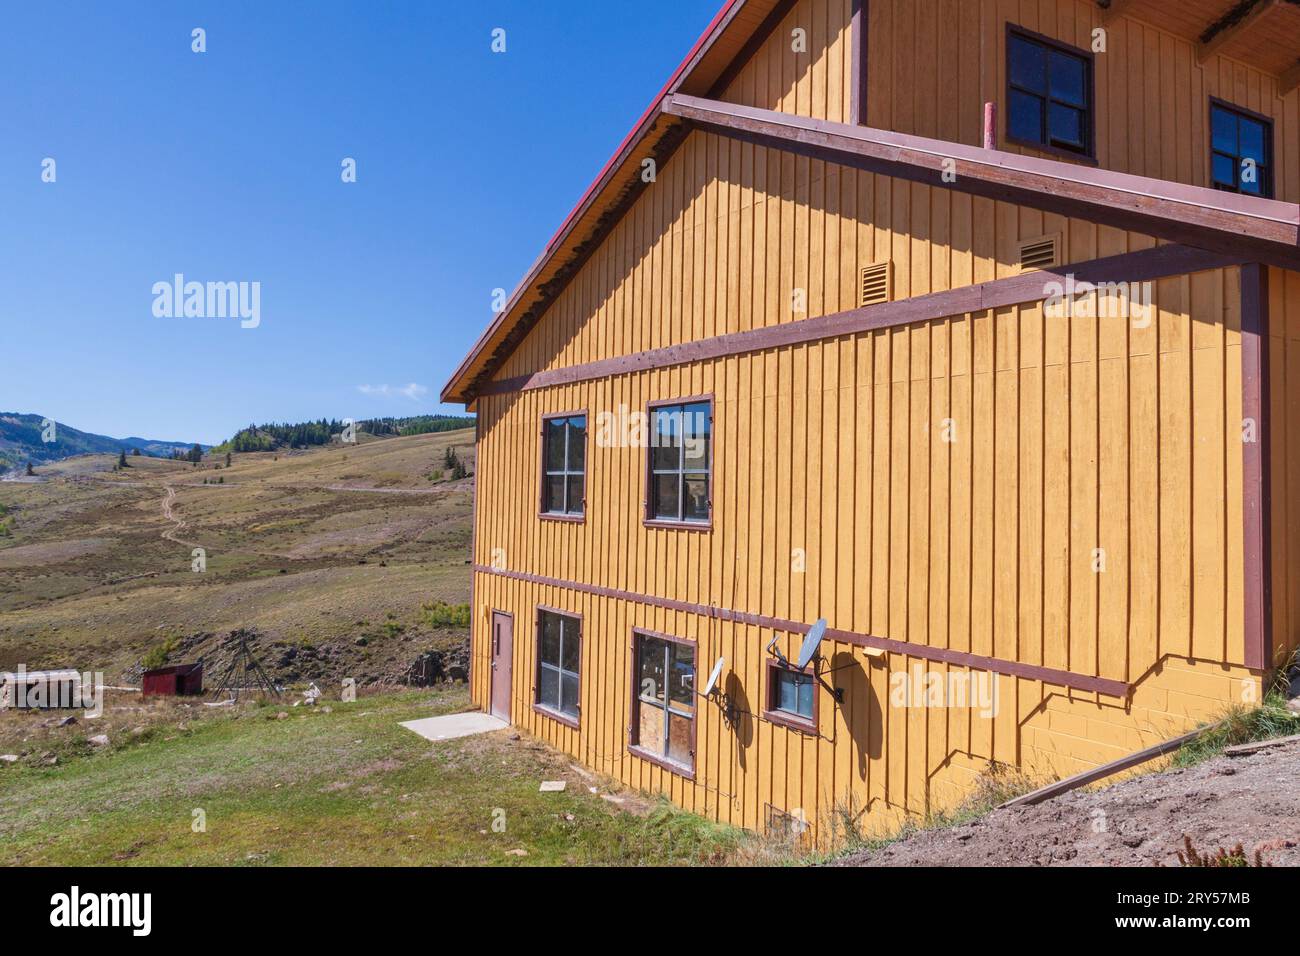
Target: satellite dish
810, 643
712, 683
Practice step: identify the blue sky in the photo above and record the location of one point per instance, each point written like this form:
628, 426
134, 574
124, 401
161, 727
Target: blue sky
225, 166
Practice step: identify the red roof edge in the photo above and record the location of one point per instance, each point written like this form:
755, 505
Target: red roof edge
641, 122
637, 131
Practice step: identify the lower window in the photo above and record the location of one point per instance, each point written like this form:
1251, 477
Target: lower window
559, 662
791, 697
663, 702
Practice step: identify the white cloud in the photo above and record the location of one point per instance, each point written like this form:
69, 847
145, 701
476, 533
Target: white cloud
412, 391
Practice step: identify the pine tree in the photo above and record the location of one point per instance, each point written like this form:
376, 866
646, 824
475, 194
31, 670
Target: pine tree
227, 459
121, 459
30, 473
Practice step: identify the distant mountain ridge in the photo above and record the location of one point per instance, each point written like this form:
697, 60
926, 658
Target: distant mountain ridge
21, 440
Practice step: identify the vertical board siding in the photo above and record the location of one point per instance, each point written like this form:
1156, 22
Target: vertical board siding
932, 65
1055, 435
757, 256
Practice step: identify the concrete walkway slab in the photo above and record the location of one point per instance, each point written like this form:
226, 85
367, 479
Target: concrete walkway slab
455, 725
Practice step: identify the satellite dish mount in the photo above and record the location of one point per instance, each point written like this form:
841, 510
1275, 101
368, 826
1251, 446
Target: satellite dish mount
711, 691
808, 654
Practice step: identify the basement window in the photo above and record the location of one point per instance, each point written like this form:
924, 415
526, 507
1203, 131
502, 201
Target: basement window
1241, 150
559, 664
1049, 94
662, 728
679, 463
791, 697
564, 465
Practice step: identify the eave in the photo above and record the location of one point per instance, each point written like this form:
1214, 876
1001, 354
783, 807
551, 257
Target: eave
1192, 215
727, 41
1262, 33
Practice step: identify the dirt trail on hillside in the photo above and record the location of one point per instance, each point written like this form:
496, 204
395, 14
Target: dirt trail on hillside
170, 533
1252, 800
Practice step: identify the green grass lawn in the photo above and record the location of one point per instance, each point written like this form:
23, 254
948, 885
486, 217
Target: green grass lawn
343, 787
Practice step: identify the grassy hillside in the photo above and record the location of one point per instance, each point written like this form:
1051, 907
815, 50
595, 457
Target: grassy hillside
21, 441
331, 553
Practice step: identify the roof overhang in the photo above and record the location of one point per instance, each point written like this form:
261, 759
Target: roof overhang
1262, 33
1205, 218
726, 42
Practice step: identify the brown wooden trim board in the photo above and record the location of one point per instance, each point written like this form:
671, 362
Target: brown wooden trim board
1048, 675
1142, 266
1262, 229
1255, 467
861, 43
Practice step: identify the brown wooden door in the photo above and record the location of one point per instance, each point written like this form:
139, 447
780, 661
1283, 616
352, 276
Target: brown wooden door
503, 644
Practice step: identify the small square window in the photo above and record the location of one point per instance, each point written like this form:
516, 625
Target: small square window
791, 697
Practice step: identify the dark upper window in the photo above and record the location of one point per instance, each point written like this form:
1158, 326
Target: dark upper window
663, 701
1049, 94
559, 662
681, 451
564, 460
1241, 151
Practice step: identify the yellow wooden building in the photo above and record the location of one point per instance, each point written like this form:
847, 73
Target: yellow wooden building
971, 327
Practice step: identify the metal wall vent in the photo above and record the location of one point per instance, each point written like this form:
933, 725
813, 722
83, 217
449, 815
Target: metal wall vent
1040, 253
876, 283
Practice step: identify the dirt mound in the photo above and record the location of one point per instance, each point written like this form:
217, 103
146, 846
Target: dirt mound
1252, 800
296, 662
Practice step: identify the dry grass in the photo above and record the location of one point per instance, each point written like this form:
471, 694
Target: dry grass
336, 784
293, 549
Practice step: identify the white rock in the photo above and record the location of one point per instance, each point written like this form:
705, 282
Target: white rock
99, 740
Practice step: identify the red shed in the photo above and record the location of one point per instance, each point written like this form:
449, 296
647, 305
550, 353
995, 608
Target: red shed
181, 680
